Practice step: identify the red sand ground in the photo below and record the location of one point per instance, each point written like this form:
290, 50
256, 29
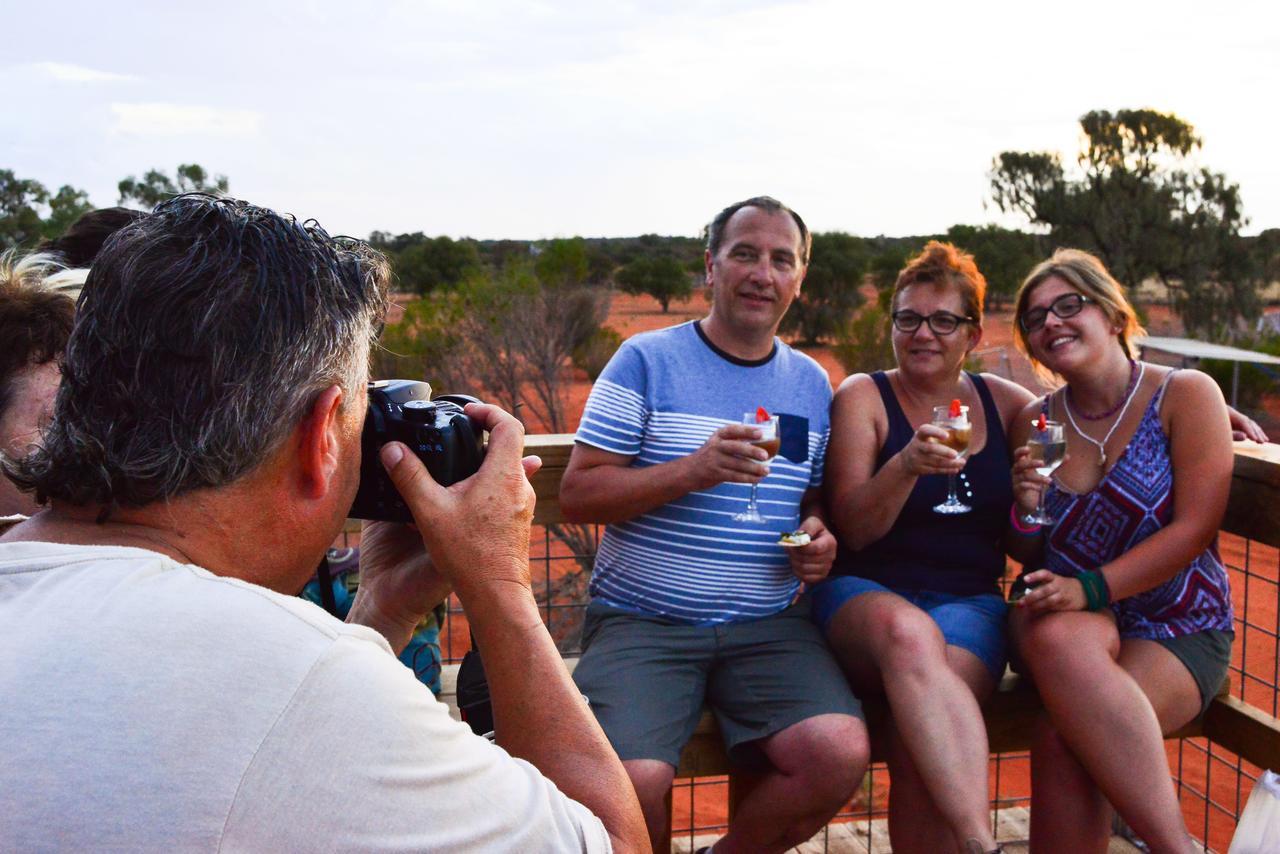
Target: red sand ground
1256, 648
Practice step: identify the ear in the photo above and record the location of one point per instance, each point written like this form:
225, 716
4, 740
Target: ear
975, 335
318, 442
707, 259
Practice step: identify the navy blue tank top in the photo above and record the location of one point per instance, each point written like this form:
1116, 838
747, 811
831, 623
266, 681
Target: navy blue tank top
962, 555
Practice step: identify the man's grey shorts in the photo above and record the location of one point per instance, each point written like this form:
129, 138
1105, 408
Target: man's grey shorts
646, 679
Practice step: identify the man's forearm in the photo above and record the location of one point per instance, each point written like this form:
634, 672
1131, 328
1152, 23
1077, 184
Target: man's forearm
540, 716
608, 493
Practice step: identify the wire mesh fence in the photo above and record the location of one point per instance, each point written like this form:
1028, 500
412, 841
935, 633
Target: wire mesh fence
1213, 783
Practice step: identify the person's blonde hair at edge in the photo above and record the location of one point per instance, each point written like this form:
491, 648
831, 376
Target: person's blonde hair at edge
1085, 274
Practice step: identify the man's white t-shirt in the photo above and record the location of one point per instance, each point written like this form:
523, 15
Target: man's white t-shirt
148, 705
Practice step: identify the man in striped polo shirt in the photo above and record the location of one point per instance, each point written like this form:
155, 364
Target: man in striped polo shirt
688, 604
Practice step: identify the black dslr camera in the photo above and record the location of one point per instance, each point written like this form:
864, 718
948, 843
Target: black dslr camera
449, 444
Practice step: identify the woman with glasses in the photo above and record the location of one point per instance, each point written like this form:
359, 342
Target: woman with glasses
1127, 630
912, 608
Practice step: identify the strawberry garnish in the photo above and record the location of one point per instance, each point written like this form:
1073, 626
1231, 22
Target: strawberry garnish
762, 415
954, 411
1041, 423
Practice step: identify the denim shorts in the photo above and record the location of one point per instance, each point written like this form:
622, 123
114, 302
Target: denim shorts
972, 623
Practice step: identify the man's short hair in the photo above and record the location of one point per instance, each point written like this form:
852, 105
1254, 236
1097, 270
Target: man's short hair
206, 330
82, 242
35, 318
715, 229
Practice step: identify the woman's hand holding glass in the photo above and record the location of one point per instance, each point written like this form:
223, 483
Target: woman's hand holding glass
1028, 484
927, 453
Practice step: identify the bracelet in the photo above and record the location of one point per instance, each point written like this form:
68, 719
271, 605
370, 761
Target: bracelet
1018, 526
1097, 594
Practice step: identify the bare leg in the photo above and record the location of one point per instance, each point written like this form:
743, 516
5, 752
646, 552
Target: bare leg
935, 712
1068, 813
1103, 714
915, 824
652, 780
817, 765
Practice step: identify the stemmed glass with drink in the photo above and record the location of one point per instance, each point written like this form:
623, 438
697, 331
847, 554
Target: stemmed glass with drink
1048, 448
771, 440
953, 418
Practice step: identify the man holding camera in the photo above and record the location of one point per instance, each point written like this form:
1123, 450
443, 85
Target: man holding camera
163, 688
689, 603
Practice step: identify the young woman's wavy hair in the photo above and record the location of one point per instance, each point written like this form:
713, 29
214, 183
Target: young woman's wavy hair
205, 331
1088, 276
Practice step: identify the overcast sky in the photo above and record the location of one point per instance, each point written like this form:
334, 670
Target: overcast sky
542, 119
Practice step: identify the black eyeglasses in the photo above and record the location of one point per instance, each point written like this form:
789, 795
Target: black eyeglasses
1067, 305
941, 322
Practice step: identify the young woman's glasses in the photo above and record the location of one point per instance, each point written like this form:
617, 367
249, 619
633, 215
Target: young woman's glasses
1067, 305
941, 322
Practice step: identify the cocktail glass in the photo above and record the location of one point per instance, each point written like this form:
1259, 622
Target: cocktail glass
1048, 448
770, 439
958, 432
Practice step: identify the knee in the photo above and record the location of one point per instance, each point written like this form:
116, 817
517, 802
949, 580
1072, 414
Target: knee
830, 758
1046, 642
652, 780
910, 641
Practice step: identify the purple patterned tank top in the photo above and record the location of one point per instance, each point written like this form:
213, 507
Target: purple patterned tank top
1131, 502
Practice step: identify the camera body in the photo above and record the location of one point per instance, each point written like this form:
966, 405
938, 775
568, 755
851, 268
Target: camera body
449, 444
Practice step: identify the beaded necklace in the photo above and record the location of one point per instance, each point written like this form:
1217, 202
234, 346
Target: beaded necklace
1133, 383
1123, 407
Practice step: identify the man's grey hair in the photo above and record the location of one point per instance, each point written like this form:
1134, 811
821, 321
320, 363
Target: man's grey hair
205, 332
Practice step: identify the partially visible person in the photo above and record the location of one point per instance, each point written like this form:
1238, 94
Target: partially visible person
912, 607
1127, 629
204, 449
84, 238
37, 308
691, 600
335, 586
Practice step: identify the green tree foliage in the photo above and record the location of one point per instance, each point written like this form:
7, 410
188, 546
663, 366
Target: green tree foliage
595, 352
661, 277
1141, 205
865, 343
20, 200
1004, 256
888, 262
65, 207
563, 263
432, 263
22, 205
506, 336
830, 293
155, 186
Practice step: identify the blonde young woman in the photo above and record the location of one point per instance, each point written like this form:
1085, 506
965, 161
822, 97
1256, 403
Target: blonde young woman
1127, 631
913, 609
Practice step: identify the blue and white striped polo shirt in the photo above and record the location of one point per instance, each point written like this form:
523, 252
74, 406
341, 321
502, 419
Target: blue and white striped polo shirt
660, 397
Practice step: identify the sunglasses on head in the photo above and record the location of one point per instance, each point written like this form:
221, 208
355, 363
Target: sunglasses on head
1067, 305
941, 322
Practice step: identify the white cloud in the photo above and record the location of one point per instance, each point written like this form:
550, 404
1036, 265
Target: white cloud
182, 119
79, 74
